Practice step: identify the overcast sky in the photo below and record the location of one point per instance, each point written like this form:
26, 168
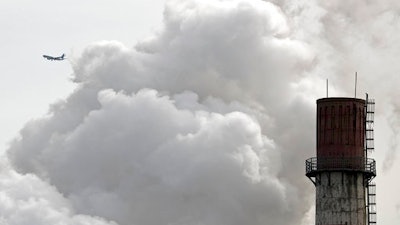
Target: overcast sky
185, 112
30, 29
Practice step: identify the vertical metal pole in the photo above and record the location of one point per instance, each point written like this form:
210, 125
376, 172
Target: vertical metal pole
365, 125
355, 87
367, 207
326, 87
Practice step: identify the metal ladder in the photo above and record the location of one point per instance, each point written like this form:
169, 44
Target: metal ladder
369, 125
369, 147
372, 204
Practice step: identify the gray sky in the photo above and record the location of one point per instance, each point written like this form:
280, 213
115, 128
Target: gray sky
33, 28
187, 114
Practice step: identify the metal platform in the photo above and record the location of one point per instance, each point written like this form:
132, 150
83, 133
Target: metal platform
345, 164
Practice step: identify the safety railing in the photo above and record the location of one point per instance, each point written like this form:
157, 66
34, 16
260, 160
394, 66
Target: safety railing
340, 163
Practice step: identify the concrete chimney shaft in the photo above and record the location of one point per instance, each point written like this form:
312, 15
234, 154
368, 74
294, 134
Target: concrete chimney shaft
341, 171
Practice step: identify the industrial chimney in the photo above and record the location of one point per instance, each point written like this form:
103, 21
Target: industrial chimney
342, 172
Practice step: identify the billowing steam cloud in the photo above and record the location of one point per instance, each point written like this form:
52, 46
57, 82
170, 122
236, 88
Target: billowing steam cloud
206, 122
25, 199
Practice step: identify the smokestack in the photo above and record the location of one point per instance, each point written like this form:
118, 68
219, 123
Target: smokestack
342, 172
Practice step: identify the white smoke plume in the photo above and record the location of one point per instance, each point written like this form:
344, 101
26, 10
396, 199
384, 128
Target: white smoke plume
207, 122
26, 199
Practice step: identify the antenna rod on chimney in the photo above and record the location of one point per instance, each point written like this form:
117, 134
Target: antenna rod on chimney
355, 86
326, 87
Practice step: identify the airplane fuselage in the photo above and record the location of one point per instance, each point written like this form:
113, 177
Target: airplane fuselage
54, 58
